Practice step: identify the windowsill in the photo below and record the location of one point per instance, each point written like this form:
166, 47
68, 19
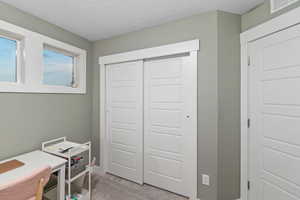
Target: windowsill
48, 89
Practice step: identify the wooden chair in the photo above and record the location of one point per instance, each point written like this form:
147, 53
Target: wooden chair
27, 188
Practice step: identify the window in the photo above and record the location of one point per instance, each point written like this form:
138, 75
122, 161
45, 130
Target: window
34, 63
8, 60
59, 68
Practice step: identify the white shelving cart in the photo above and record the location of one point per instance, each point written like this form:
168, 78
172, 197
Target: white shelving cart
78, 165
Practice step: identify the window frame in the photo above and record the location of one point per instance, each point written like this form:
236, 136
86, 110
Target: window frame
30, 62
19, 58
76, 66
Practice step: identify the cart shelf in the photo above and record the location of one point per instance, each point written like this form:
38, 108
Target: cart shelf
69, 151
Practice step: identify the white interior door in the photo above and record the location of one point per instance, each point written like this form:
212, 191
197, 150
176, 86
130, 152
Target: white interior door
169, 124
124, 104
274, 134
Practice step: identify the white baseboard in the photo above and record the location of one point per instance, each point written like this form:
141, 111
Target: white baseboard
98, 170
234, 199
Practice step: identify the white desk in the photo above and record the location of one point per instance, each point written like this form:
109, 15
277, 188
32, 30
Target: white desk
36, 160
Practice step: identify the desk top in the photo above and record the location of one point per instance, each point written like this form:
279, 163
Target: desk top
33, 160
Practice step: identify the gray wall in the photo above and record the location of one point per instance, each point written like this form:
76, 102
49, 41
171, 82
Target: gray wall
28, 119
204, 27
262, 14
229, 28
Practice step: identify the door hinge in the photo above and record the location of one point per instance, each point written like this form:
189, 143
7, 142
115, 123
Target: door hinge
249, 61
248, 123
248, 185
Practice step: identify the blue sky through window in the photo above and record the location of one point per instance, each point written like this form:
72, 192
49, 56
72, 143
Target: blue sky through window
8, 60
58, 68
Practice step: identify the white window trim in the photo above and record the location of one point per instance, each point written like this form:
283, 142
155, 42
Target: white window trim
19, 57
192, 47
30, 65
279, 23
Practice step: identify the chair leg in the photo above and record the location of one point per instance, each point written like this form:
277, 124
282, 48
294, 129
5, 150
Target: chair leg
40, 190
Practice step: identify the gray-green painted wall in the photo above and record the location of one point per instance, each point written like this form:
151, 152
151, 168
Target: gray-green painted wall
204, 27
28, 119
262, 14
229, 28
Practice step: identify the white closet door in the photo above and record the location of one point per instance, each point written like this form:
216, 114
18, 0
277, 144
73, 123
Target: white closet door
125, 120
274, 138
168, 136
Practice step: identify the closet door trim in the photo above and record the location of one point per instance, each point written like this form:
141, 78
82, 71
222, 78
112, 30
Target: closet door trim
190, 47
165, 50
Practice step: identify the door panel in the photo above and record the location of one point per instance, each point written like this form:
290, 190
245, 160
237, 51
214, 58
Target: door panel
125, 120
274, 140
166, 132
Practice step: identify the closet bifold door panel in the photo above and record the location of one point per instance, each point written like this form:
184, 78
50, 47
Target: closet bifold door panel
167, 124
124, 120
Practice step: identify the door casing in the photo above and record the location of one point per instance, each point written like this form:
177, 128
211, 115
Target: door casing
188, 47
279, 23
